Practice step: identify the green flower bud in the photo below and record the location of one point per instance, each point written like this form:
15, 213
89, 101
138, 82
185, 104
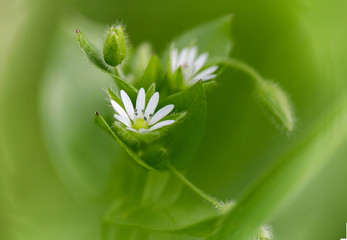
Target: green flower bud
115, 49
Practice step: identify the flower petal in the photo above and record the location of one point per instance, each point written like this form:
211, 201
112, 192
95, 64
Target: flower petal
200, 62
119, 109
183, 57
152, 104
208, 77
131, 129
160, 114
141, 101
128, 104
141, 130
205, 73
122, 119
161, 124
174, 59
191, 56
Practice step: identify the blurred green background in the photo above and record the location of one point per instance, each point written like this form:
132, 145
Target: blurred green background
57, 170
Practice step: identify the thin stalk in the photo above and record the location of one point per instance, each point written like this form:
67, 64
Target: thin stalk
238, 64
195, 189
116, 71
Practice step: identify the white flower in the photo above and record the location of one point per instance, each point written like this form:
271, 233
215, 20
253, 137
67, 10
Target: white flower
141, 119
191, 65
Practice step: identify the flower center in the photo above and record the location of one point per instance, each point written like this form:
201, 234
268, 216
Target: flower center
140, 123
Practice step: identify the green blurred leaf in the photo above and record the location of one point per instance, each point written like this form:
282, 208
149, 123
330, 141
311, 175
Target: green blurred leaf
291, 173
162, 209
213, 37
83, 156
139, 59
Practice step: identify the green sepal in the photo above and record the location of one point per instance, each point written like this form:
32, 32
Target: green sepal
114, 97
122, 84
153, 73
140, 59
91, 52
276, 103
145, 148
150, 92
117, 135
115, 49
177, 80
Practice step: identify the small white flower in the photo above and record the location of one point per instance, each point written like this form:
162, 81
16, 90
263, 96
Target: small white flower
191, 64
142, 118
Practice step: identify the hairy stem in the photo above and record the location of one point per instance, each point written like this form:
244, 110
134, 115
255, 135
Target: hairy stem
116, 71
198, 191
240, 65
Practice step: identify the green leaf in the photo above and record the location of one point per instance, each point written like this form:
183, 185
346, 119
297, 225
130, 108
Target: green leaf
163, 209
91, 52
122, 84
153, 73
119, 136
274, 100
140, 59
213, 37
183, 138
176, 81
287, 178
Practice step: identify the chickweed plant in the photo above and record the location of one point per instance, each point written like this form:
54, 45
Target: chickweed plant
159, 110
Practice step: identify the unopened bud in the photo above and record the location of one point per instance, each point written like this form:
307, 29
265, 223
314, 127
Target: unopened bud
115, 49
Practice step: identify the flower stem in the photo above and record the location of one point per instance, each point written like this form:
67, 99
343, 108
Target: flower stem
195, 189
116, 71
240, 65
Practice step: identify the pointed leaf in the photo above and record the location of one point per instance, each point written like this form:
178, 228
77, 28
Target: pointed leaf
122, 84
140, 59
91, 52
